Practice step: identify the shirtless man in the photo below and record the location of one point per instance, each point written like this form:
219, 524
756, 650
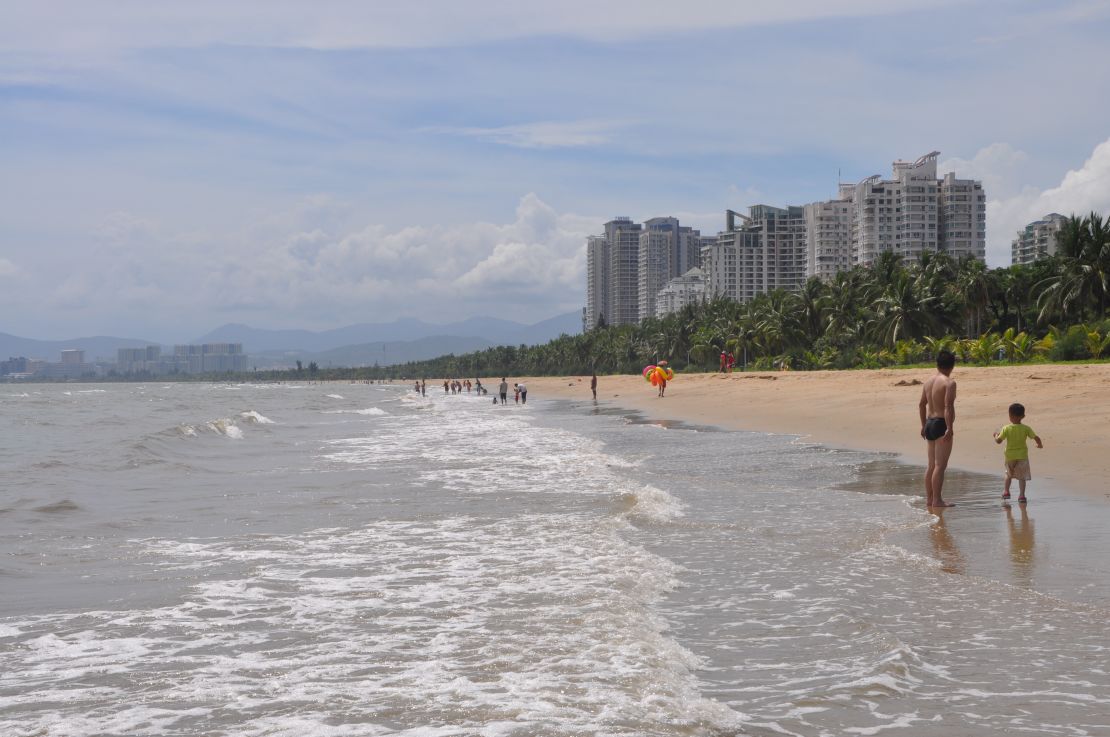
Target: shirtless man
938, 414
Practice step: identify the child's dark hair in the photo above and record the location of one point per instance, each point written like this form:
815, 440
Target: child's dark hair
1017, 410
946, 359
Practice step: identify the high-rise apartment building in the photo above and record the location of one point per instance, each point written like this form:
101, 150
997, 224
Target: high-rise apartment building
909, 214
628, 265
914, 212
73, 357
681, 291
667, 250
623, 237
718, 262
597, 282
962, 210
1039, 239
767, 251
829, 235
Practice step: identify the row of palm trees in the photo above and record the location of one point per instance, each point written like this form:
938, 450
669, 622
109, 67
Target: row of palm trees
889, 313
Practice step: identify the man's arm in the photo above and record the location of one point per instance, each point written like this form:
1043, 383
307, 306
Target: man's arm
921, 408
950, 407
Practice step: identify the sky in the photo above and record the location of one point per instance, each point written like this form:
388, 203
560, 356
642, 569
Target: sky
166, 168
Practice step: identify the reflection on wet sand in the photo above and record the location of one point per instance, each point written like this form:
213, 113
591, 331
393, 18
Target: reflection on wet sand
1021, 545
944, 546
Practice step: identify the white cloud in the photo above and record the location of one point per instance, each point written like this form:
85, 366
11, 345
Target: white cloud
79, 27
1081, 191
999, 166
7, 268
552, 134
307, 267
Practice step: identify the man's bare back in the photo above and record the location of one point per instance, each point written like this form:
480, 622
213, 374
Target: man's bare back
937, 410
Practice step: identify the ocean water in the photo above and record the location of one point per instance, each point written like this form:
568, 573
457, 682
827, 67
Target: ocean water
343, 560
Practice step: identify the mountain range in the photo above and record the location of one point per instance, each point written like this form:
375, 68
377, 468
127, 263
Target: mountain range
362, 344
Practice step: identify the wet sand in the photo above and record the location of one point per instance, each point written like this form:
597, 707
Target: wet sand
877, 410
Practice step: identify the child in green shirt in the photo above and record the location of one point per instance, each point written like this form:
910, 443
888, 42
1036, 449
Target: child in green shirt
1017, 454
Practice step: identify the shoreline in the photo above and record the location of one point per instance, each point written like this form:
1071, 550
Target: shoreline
876, 410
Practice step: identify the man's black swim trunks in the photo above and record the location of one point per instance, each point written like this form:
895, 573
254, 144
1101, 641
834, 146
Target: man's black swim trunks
935, 428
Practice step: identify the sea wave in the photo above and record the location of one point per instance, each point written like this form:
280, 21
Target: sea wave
227, 427
255, 418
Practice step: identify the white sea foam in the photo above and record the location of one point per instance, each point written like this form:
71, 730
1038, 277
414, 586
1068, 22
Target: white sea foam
254, 417
227, 427
373, 411
459, 621
333, 396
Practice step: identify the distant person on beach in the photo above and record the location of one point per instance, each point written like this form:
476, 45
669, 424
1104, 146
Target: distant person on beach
724, 361
503, 390
593, 385
523, 393
423, 387
1017, 452
937, 409
731, 361
478, 386
516, 393
662, 385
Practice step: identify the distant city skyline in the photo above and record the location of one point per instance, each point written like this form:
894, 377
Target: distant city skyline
172, 168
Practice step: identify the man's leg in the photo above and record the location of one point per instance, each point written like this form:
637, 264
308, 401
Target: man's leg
942, 454
929, 472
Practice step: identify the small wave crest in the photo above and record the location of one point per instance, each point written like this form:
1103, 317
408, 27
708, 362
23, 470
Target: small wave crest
333, 396
367, 411
255, 418
649, 504
227, 427
64, 505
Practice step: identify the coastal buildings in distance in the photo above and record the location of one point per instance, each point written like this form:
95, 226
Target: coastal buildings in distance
913, 212
1039, 239
206, 358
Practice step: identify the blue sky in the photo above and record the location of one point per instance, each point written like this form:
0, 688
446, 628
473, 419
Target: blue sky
172, 167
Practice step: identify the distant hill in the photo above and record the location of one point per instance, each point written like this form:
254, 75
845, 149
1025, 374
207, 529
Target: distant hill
493, 330
96, 347
368, 354
363, 344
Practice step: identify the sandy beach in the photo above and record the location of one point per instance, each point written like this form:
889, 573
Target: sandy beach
877, 410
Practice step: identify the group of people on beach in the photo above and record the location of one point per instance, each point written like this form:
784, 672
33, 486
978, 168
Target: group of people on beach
937, 409
520, 392
455, 386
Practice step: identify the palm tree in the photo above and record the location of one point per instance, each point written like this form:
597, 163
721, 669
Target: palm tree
974, 285
812, 304
1082, 283
903, 311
